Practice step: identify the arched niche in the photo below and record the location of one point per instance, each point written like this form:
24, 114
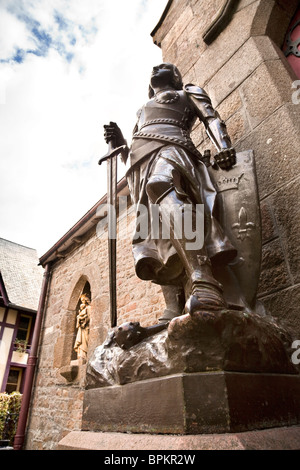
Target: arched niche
64, 354
76, 290
274, 19
84, 288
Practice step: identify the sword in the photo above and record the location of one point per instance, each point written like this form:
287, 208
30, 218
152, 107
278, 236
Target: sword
111, 159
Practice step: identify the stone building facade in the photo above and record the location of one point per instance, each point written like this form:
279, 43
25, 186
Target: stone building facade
249, 79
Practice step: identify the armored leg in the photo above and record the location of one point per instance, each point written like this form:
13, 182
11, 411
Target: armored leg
174, 298
204, 292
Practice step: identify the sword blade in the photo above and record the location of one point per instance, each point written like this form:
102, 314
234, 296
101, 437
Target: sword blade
112, 231
111, 159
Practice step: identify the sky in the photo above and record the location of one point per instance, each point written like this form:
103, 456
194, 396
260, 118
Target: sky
67, 67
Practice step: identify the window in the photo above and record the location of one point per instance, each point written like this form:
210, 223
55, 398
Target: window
24, 327
14, 380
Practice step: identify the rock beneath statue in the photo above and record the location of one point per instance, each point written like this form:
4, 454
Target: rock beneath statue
226, 340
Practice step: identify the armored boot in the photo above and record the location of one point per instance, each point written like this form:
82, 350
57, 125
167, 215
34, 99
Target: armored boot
175, 300
204, 292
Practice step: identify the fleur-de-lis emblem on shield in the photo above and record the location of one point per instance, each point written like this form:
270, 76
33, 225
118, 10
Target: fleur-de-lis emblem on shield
243, 226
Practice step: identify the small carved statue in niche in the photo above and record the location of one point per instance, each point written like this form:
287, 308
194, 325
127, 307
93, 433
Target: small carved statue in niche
82, 325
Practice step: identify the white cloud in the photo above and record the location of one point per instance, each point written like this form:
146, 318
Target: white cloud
12, 30
55, 107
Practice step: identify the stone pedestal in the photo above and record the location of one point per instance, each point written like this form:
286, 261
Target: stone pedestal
213, 373
268, 439
212, 402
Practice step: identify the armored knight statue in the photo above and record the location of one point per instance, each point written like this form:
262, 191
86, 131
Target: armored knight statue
166, 169
218, 327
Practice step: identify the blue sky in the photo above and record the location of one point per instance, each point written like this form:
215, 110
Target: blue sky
66, 68
59, 32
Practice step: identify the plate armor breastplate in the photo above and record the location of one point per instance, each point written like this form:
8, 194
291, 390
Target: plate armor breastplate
166, 119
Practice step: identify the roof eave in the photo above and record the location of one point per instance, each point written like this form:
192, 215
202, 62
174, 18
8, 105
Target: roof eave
161, 20
3, 291
89, 220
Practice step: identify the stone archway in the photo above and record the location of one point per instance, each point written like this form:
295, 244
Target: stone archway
64, 348
84, 290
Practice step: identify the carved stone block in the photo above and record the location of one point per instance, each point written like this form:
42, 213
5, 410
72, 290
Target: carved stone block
212, 372
207, 402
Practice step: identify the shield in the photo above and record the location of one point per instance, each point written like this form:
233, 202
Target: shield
239, 214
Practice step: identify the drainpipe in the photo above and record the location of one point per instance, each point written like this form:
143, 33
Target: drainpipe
32, 360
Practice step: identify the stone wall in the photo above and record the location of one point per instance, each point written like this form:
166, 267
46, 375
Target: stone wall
57, 399
250, 82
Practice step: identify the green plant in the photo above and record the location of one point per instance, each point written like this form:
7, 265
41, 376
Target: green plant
10, 405
21, 345
4, 405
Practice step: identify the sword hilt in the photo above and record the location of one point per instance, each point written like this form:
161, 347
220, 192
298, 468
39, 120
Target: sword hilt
112, 152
